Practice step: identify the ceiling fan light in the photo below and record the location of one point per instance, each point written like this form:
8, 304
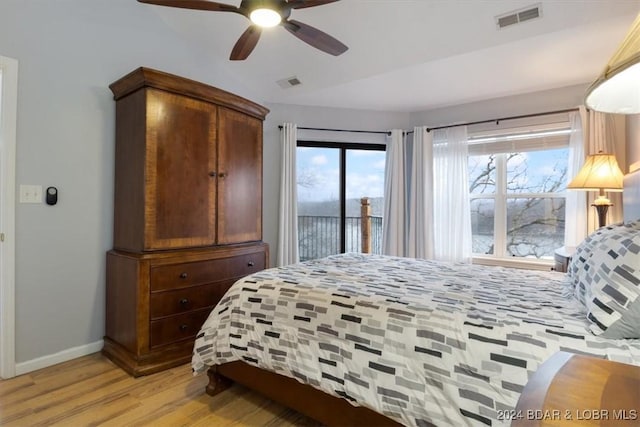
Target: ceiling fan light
264, 17
619, 94
617, 89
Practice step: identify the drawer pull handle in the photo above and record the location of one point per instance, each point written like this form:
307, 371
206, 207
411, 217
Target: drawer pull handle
184, 301
183, 327
183, 275
250, 264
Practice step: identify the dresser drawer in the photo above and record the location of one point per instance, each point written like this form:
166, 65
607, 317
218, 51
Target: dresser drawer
167, 303
176, 328
244, 265
194, 273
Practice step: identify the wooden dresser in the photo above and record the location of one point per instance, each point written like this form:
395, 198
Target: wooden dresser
187, 213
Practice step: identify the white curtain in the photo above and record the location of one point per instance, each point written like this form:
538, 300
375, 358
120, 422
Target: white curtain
604, 132
452, 216
288, 221
575, 224
394, 222
420, 237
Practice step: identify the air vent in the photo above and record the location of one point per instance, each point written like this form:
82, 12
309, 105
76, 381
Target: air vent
522, 15
289, 82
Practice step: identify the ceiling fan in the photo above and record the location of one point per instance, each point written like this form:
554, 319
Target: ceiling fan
265, 13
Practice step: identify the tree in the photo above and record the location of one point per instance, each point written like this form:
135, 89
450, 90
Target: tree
307, 178
535, 221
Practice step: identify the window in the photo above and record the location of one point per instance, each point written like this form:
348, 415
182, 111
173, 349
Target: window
516, 184
333, 178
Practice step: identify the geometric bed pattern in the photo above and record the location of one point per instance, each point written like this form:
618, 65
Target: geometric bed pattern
422, 342
606, 273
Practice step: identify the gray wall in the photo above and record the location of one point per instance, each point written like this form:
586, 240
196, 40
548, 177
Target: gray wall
69, 51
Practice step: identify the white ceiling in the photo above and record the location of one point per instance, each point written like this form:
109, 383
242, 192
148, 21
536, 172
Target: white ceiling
414, 55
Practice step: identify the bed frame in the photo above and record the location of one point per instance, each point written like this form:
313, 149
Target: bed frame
327, 409
322, 407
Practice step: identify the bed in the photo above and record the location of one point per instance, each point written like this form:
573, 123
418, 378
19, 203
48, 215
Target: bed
357, 339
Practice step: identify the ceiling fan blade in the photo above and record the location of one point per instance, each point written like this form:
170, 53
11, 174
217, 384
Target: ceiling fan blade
245, 44
195, 4
301, 4
315, 37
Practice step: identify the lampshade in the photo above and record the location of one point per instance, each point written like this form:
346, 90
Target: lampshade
617, 89
600, 172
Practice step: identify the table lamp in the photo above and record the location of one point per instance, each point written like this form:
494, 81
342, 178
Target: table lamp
600, 173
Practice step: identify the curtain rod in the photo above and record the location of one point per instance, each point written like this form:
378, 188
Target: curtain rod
344, 130
524, 116
497, 121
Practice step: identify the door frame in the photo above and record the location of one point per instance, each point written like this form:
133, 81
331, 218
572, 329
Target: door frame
8, 124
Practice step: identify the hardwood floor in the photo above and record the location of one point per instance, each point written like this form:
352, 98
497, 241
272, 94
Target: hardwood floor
92, 391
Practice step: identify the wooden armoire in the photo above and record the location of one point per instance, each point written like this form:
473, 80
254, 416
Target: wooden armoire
187, 215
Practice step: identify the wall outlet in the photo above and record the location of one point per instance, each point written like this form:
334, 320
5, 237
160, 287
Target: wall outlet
30, 193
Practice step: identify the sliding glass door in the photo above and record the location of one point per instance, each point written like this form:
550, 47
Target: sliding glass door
335, 180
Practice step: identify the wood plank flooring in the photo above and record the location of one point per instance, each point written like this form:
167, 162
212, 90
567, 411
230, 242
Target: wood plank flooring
92, 391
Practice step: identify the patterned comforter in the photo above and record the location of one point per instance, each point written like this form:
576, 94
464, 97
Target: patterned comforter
422, 342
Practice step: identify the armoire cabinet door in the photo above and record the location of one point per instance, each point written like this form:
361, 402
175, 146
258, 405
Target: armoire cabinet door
240, 177
180, 169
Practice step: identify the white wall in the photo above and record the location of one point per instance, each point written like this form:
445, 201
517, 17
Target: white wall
318, 117
69, 51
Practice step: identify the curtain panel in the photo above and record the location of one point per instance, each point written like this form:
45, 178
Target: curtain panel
575, 224
452, 215
288, 218
394, 238
604, 132
420, 237
427, 213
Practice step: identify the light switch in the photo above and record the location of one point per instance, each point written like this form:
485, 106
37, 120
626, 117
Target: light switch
30, 193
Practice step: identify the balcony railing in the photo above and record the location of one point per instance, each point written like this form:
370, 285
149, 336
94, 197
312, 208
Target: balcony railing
319, 236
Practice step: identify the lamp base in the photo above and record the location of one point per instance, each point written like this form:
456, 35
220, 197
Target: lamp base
602, 213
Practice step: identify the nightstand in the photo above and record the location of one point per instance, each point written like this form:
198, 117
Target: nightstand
577, 390
562, 256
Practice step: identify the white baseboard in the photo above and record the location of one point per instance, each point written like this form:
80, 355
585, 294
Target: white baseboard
54, 359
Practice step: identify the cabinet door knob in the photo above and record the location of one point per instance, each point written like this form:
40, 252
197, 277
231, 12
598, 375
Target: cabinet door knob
184, 301
183, 275
183, 327
212, 174
222, 174
250, 264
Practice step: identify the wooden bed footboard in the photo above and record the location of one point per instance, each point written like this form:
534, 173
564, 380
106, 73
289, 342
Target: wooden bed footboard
327, 409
